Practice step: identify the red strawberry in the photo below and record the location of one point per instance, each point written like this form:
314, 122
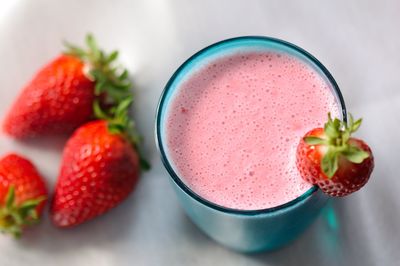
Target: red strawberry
57, 100
329, 158
99, 169
60, 97
23, 194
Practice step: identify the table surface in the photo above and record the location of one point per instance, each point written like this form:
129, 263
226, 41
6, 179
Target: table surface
357, 41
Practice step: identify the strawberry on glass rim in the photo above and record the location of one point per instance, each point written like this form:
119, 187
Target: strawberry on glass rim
333, 160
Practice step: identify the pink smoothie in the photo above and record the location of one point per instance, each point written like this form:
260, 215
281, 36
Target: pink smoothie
233, 125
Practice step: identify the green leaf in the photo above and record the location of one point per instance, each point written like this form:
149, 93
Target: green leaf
18, 219
98, 112
29, 206
91, 43
356, 125
10, 197
118, 95
115, 128
123, 107
74, 50
34, 217
144, 164
97, 75
351, 121
330, 163
112, 111
331, 128
124, 75
345, 137
355, 154
98, 89
102, 56
312, 140
112, 56
331, 131
32, 203
16, 231
337, 123
123, 85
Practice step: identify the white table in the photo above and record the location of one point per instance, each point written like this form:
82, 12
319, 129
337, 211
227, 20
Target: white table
358, 41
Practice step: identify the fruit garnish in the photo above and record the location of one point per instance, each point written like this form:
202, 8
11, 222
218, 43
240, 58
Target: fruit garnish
99, 169
22, 194
112, 91
57, 100
80, 85
333, 160
119, 122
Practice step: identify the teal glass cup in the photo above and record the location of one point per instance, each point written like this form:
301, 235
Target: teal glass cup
243, 230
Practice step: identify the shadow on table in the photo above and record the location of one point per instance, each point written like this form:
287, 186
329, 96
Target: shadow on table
50, 143
327, 242
99, 232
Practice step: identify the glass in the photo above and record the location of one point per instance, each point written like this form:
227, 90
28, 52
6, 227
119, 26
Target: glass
243, 230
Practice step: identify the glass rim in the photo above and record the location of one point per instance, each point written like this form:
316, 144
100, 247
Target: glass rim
164, 158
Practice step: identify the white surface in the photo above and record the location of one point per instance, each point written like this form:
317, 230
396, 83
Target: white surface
358, 42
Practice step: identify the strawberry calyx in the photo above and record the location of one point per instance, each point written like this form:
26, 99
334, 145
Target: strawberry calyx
112, 91
119, 122
13, 217
111, 80
335, 139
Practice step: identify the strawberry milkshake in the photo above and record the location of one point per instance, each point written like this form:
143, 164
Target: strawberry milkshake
228, 125
234, 122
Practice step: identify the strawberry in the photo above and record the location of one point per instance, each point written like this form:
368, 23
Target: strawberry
61, 96
23, 194
99, 169
333, 160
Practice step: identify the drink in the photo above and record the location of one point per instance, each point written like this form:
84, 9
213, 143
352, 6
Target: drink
228, 124
233, 126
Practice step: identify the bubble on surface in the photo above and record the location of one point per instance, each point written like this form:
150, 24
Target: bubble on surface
233, 126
